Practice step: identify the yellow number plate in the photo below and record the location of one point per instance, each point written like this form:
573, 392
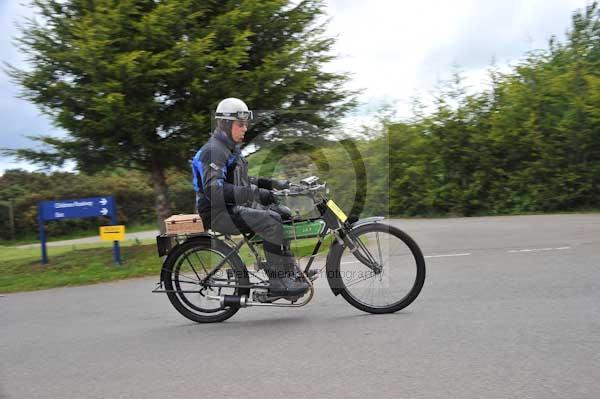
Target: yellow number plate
336, 210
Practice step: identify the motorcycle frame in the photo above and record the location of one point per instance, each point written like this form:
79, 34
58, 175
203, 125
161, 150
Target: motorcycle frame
252, 246
333, 226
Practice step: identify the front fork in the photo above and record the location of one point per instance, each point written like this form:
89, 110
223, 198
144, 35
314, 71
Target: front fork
358, 249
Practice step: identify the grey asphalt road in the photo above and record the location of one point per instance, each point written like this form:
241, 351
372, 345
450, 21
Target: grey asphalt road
510, 309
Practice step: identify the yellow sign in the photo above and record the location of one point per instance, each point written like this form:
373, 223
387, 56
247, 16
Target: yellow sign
112, 233
336, 209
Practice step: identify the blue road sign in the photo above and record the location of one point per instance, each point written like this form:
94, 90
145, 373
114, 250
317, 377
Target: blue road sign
77, 208
73, 209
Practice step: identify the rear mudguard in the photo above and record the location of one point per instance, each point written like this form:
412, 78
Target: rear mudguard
209, 241
335, 254
171, 250
166, 243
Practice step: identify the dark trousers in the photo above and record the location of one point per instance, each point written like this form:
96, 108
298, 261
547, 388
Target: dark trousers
265, 222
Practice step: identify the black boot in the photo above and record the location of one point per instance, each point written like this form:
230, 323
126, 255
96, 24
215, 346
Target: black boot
282, 277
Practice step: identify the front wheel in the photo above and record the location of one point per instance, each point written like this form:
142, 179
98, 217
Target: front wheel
384, 273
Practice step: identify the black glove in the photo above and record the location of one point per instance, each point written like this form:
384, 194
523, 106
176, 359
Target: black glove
265, 197
280, 184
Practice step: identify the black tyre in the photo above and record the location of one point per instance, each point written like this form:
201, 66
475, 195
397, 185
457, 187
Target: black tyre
190, 263
402, 273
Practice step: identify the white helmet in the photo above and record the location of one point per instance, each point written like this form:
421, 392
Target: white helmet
233, 109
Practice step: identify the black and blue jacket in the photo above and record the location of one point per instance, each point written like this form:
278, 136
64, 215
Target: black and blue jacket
220, 176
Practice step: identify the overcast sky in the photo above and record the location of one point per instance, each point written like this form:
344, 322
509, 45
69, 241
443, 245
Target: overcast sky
394, 49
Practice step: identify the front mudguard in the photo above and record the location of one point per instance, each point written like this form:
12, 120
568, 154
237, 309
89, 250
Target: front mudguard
334, 257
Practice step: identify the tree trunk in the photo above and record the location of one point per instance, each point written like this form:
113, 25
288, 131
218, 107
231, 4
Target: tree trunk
163, 210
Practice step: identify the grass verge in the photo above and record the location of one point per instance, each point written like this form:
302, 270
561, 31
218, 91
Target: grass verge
21, 269
34, 239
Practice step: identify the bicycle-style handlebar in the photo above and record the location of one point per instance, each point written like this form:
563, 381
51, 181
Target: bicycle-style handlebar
296, 190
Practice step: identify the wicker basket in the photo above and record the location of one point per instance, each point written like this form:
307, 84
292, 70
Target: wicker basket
184, 224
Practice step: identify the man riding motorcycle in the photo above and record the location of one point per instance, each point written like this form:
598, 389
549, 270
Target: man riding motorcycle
231, 202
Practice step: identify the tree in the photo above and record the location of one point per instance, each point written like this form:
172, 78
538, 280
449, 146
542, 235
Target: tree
133, 82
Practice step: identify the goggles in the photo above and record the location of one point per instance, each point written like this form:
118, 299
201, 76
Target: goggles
238, 115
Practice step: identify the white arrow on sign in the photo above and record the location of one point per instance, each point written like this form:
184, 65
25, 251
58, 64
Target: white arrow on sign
103, 201
104, 211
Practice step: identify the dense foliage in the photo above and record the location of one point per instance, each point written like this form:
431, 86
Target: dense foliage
134, 82
132, 190
529, 143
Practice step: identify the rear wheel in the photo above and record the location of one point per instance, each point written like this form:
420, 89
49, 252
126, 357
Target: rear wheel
188, 265
387, 271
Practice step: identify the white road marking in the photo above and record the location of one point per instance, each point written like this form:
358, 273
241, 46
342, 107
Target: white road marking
448, 255
428, 256
514, 251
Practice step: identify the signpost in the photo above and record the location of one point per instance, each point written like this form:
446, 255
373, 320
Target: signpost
75, 209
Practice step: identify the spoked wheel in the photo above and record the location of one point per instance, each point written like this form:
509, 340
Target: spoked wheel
386, 272
188, 265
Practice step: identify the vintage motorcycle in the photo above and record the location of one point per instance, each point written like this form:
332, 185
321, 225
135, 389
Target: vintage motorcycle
376, 267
